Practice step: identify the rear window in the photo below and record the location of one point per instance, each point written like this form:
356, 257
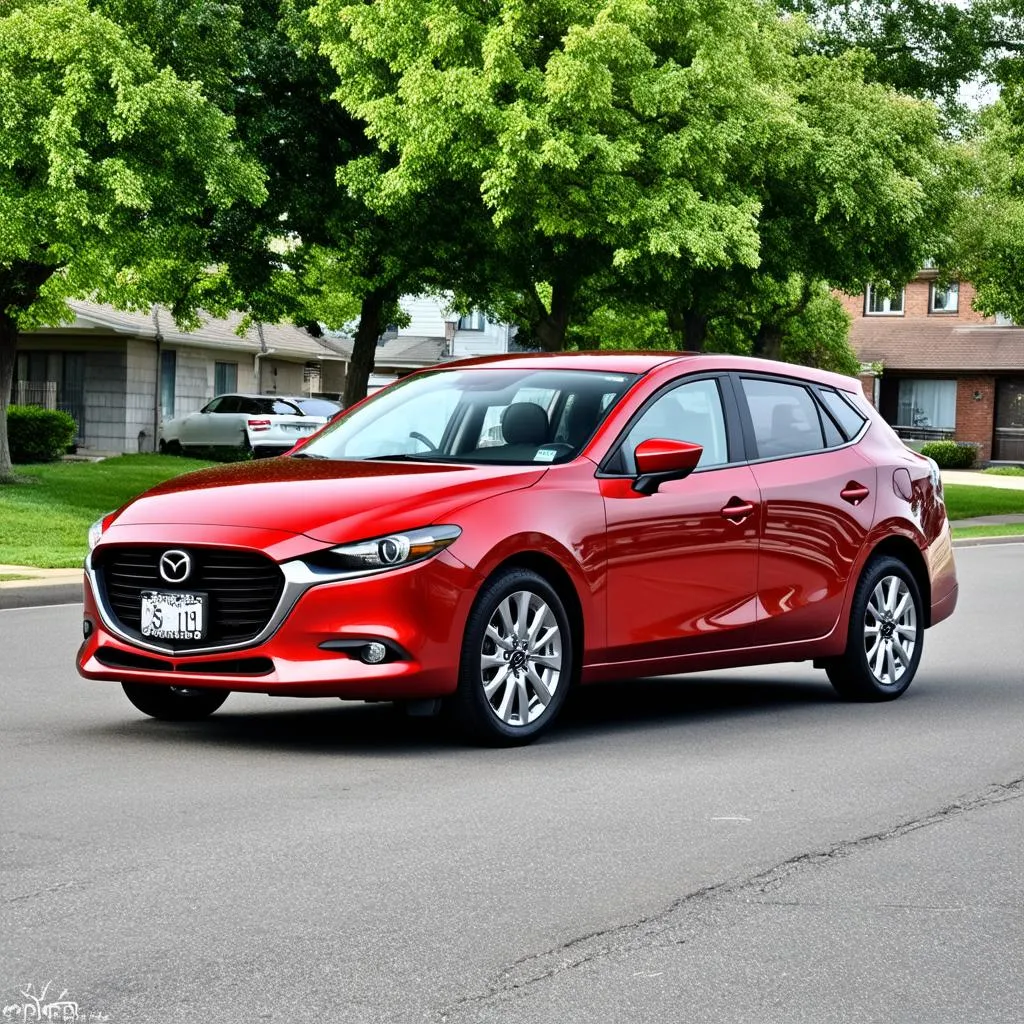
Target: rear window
849, 419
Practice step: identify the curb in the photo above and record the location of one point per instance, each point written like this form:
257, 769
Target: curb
31, 594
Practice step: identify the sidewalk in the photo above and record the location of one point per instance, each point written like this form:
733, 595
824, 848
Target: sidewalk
64, 586
39, 586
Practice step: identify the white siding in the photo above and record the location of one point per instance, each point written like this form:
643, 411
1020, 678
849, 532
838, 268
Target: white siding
140, 397
492, 340
428, 314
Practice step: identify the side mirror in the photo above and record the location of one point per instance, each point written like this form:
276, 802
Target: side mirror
659, 460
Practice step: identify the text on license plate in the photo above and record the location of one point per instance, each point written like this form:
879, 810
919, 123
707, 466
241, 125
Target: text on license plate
169, 616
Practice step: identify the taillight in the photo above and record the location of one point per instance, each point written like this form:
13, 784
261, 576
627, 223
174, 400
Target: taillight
259, 424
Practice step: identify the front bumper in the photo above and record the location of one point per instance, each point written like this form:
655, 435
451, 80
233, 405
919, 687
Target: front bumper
418, 612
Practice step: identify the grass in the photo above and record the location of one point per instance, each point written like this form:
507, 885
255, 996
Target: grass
965, 532
964, 501
45, 519
1005, 470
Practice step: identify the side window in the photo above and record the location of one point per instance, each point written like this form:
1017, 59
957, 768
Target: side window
230, 403
785, 418
690, 412
281, 408
848, 418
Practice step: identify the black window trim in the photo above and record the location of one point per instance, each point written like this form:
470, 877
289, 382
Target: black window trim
811, 387
850, 439
730, 412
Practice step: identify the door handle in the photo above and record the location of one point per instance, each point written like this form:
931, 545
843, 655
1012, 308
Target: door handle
854, 493
737, 510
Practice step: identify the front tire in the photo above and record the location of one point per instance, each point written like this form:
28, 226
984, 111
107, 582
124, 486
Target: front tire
516, 663
883, 648
174, 703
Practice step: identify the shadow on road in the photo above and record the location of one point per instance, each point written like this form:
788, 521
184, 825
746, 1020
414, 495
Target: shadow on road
594, 712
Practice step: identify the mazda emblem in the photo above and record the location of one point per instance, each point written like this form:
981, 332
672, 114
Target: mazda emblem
175, 566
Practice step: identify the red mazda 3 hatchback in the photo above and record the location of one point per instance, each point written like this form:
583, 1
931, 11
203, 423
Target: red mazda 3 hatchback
482, 537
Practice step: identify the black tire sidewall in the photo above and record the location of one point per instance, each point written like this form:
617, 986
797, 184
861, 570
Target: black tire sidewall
472, 709
169, 705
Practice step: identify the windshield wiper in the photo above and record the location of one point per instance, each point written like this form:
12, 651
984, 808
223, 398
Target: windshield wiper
307, 455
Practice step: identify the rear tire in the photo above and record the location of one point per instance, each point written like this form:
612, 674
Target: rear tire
886, 635
171, 447
517, 661
174, 703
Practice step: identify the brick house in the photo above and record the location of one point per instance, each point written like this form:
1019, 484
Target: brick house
946, 371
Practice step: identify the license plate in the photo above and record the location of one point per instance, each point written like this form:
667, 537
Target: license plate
177, 616
298, 426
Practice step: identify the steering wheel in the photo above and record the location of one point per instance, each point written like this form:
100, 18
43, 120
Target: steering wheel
417, 436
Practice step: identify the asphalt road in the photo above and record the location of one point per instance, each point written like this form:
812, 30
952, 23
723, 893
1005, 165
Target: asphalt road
730, 847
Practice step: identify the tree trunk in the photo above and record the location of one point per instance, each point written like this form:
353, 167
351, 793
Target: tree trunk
19, 289
768, 342
551, 327
364, 346
8, 350
695, 330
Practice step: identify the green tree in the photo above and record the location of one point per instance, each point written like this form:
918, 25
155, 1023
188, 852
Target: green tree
595, 134
111, 173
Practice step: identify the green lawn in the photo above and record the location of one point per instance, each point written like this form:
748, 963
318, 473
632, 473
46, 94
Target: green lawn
963, 532
1005, 470
964, 501
45, 521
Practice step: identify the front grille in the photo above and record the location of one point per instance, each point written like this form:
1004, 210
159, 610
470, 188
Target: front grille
244, 588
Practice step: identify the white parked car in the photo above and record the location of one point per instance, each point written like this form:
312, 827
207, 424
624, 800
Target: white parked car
268, 424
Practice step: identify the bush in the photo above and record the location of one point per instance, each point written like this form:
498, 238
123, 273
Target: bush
38, 435
951, 454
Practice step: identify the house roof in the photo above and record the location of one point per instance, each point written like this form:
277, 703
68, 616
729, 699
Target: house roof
284, 341
404, 351
937, 343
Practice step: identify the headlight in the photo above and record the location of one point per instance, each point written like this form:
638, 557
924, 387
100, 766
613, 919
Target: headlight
394, 550
96, 531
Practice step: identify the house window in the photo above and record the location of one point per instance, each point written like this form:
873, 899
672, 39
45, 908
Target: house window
944, 300
472, 321
225, 378
927, 404
879, 303
168, 359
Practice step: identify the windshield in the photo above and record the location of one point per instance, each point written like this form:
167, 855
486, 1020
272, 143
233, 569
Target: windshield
513, 415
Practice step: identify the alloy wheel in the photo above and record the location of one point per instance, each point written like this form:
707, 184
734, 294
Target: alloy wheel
890, 630
521, 658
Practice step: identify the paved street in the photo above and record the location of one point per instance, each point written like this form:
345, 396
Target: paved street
729, 847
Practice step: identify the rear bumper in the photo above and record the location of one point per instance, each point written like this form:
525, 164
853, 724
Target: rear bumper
419, 613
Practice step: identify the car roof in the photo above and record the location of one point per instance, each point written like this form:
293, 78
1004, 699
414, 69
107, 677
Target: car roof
641, 362
283, 398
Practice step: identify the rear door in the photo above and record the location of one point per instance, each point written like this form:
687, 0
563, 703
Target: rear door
818, 501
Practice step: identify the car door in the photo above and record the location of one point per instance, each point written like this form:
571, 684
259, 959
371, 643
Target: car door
682, 562
196, 428
818, 497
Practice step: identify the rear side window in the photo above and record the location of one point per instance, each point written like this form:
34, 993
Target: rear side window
785, 418
849, 419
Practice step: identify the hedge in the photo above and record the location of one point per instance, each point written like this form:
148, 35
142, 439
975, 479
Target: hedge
38, 435
951, 454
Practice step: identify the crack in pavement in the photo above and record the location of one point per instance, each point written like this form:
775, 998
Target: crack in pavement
645, 931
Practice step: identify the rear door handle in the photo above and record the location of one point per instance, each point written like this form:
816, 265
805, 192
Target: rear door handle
854, 493
737, 510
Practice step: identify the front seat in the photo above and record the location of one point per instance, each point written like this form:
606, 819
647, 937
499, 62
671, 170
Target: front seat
524, 426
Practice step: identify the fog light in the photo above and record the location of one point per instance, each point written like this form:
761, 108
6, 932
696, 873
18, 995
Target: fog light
373, 654
87, 628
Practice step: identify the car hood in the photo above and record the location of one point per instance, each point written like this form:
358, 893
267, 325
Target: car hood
332, 501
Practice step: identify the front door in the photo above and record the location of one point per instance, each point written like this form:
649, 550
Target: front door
682, 570
1008, 439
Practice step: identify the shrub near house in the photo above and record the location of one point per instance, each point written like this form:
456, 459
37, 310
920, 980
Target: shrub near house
38, 435
951, 454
